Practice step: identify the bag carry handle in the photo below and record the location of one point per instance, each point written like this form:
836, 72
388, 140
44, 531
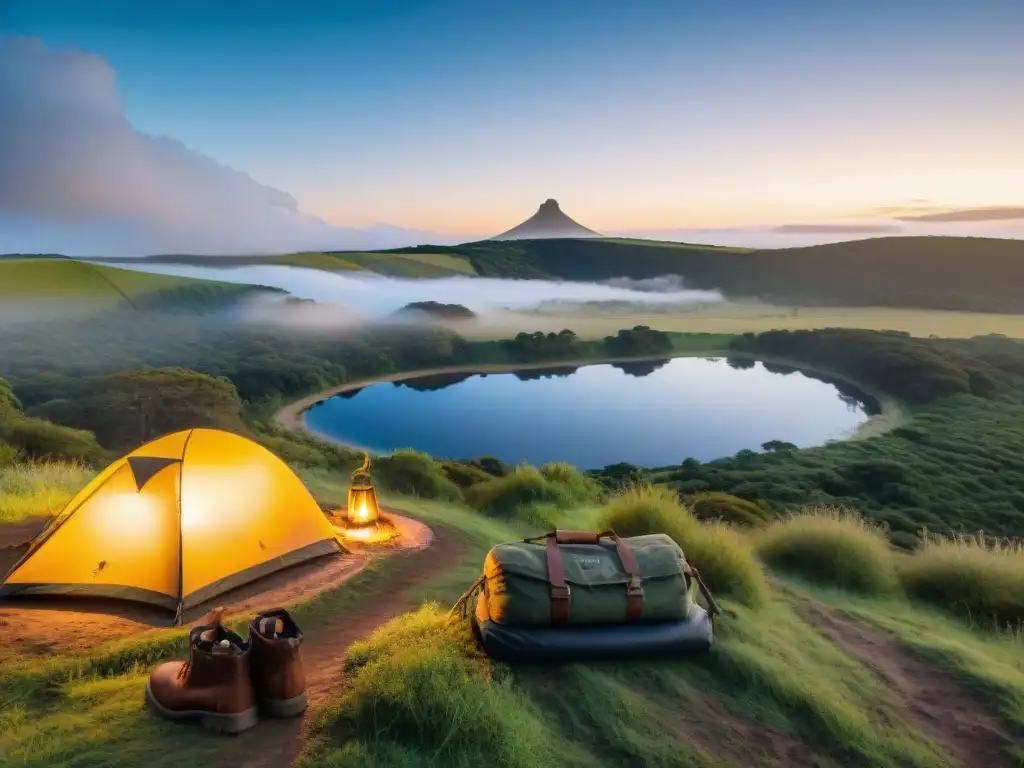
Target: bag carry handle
561, 595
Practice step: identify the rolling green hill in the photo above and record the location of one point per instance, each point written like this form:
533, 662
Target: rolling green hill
955, 273
71, 282
429, 262
950, 273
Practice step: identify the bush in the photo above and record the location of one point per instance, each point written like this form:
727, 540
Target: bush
731, 509
723, 556
727, 562
491, 465
8, 455
39, 488
525, 486
419, 687
981, 580
831, 546
578, 486
39, 439
642, 509
904, 540
464, 475
415, 474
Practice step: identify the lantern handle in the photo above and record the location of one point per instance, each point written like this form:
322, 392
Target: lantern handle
362, 475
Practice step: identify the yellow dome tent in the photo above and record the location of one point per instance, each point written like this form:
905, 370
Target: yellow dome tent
182, 519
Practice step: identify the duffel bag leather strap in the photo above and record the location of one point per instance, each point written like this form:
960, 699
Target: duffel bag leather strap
560, 594
635, 588
559, 590
577, 537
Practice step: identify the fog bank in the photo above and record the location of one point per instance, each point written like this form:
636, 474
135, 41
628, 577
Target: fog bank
375, 297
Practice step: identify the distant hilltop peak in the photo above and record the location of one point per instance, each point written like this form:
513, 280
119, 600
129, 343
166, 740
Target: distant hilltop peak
548, 222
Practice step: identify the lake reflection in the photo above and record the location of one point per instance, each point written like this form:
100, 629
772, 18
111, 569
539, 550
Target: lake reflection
651, 414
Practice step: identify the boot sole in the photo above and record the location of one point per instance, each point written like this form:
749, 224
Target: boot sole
284, 707
215, 721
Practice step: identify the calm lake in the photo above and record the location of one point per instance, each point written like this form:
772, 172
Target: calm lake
649, 414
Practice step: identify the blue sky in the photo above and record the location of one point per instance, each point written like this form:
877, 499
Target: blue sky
463, 115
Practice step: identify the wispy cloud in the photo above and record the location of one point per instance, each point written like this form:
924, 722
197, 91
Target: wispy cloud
73, 169
838, 229
994, 213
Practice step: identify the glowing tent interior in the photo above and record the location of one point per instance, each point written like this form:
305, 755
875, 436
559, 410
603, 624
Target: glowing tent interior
182, 519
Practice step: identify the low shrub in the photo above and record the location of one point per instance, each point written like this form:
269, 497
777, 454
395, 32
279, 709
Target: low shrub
641, 509
415, 474
292, 452
727, 562
729, 508
523, 487
904, 540
578, 486
8, 455
490, 465
724, 557
39, 488
419, 688
38, 439
464, 475
978, 579
831, 546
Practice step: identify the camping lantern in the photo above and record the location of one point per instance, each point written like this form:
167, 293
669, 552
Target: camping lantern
362, 506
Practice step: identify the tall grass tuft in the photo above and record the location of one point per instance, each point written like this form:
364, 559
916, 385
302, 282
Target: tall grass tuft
420, 686
830, 546
723, 555
39, 488
978, 578
525, 486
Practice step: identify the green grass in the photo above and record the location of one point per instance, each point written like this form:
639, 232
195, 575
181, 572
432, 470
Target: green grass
39, 488
671, 244
65, 278
418, 693
411, 264
830, 546
979, 579
328, 262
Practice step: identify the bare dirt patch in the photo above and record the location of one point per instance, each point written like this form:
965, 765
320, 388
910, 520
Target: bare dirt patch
930, 698
723, 735
41, 626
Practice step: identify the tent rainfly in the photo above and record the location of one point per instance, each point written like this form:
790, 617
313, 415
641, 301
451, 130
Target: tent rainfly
181, 520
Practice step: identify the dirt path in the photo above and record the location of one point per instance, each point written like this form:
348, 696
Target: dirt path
932, 700
277, 743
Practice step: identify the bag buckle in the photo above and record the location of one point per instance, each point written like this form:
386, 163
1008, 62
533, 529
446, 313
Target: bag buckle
635, 587
560, 592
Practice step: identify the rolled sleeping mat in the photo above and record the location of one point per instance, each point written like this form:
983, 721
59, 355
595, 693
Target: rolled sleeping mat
622, 641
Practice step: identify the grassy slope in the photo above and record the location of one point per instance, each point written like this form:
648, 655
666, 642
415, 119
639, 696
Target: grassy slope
771, 679
64, 278
396, 265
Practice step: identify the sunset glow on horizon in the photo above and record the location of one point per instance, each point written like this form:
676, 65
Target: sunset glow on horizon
460, 118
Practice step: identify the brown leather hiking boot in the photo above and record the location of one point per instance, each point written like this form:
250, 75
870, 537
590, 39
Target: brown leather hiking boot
278, 676
213, 686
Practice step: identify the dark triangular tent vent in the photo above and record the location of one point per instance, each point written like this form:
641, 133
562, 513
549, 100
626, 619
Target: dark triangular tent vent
144, 467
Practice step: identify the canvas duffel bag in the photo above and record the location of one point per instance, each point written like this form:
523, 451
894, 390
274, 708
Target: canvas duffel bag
581, 578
